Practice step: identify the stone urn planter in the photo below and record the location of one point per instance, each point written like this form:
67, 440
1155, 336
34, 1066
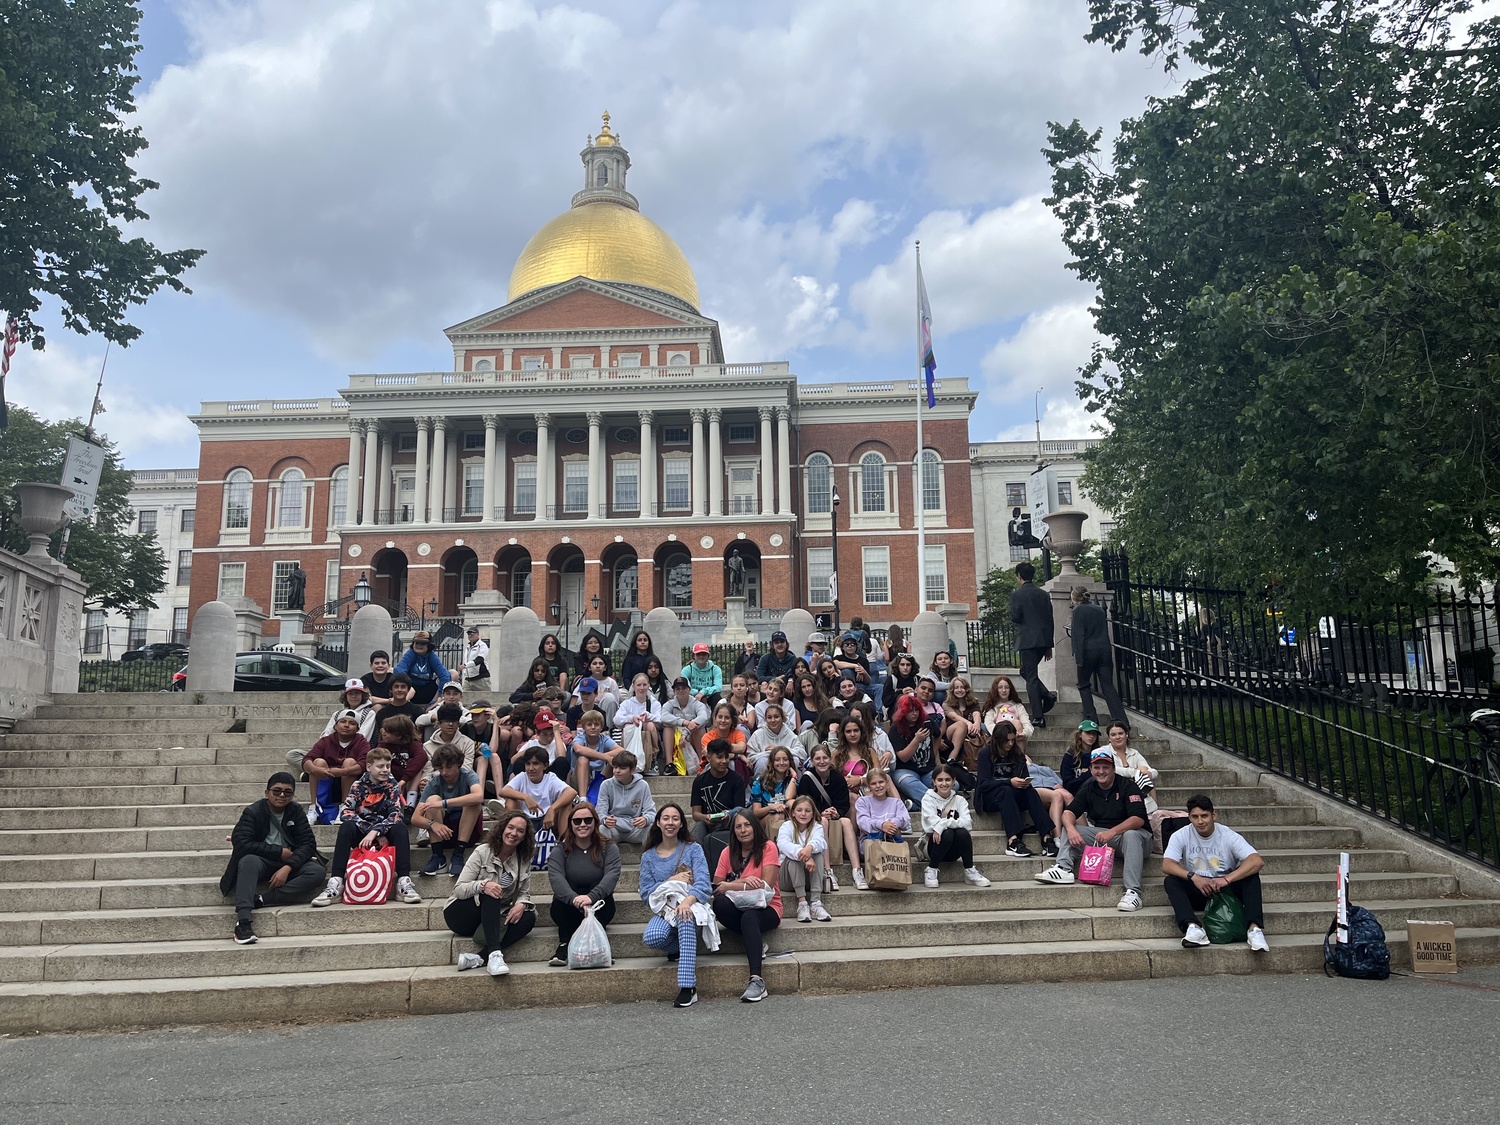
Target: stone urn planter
1065, 538
41, 513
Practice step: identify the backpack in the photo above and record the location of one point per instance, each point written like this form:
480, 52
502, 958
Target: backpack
1364, 955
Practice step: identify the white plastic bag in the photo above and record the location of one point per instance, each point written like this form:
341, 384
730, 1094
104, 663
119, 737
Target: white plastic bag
589, 947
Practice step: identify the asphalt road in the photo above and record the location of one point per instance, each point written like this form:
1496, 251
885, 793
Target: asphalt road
1220, 1049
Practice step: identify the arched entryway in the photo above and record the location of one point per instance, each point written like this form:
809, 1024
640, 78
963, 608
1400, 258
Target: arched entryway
674, 576
388, 577
747, 555
513, 575
619, 580
566, 592
459, 579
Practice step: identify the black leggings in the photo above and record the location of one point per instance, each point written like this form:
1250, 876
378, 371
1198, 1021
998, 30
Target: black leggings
955, 843
350, 834
465, 915
749, 924
568, 917
1012, 802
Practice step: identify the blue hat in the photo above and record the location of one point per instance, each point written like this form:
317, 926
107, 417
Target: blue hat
589, 684
1101, 755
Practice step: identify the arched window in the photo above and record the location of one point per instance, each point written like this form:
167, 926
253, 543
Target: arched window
237, 499
932, 481
819, 484
468, 579
291, 509
872, 483
677, 577
626, 590
601, 175
484, 365
338, 497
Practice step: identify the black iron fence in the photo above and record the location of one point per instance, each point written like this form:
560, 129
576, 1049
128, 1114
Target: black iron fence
127, 675
992, 643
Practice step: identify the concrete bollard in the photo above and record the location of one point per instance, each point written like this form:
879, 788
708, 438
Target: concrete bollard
797, 624
371, 629
929, 634
666, 640
212, 648
512, 654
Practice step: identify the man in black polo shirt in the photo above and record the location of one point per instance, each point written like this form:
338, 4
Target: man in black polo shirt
401, 703
1116, 812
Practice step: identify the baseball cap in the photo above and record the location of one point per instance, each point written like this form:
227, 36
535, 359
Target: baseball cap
346, 714
471, 630
680, 681
421, 635
777, 636
543, 718
453, 685
816, 639
479, 707
355, 684
589, 684
700, 647
1102, 755
1089, 724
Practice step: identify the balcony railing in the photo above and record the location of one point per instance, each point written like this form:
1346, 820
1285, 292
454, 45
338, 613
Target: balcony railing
724, 372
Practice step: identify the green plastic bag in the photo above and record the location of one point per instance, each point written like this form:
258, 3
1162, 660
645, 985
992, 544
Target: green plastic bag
1224, 919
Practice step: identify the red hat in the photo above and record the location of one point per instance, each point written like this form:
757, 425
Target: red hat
543, 718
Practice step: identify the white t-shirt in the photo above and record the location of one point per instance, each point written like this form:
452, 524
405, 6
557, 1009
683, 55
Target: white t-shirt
1213, 856
544, 792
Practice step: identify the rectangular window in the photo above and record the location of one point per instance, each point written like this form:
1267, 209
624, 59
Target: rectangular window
819, 485
531, 363
1015, 494
474, 440
877, 572
627, 486
185, 568
473, 490
675, 435
575, 486
338, 497
231, 581
180, 625
406, 443
819, 571
742, 498
281, 580
676, 479
406, 499
1106, 529
1064, 492
937, 573
520, 585
932, 483
93, 631
628, 359
146, 522
525, 501
577, 362
138, 619
188, 517
331, 581
741, 434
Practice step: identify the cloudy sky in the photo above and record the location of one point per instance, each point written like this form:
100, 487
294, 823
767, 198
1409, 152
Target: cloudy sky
363, 173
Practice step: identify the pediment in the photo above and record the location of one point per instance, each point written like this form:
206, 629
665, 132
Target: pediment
583, 303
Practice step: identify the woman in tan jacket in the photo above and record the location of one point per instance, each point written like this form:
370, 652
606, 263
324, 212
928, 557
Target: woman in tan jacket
493, 892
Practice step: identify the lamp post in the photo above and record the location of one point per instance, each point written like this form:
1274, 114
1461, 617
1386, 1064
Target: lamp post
363, 592
834, 579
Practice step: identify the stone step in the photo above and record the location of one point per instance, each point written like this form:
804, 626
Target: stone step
160, 705
1303, 917
240, 700
105, 759
34, 916
177, 740
104, 726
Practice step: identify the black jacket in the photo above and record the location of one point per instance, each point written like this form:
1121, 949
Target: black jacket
249, 838
994, 778
1090, 627
1031, 609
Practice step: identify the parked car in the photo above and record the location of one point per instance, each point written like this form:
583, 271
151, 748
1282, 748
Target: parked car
160, 650
276, 671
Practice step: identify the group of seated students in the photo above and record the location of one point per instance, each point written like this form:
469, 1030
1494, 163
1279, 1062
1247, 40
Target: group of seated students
777, 802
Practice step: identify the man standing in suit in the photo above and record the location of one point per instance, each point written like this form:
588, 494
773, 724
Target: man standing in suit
1031, 610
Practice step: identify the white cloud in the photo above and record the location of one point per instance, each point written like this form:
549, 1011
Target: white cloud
1044, 354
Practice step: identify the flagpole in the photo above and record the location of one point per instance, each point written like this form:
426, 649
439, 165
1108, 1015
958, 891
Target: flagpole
917, 480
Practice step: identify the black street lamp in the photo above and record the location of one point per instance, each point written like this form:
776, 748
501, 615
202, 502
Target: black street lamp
556, 611
835, 577
363, 592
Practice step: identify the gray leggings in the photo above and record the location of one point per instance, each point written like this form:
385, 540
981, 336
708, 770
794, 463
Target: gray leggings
1135, 845
801, 882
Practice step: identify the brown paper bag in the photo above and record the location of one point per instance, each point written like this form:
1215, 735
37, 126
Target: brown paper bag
1434, 948
887, 865
833, 832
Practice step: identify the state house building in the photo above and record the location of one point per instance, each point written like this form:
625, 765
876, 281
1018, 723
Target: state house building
590, 449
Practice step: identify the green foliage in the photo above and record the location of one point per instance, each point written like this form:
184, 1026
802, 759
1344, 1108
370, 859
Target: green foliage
124, 570
994, 595
1299, 275
67, 82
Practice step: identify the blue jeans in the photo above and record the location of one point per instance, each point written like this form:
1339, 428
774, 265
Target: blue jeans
911, 784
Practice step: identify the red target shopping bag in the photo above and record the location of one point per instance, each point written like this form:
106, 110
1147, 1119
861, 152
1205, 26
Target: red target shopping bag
368, 878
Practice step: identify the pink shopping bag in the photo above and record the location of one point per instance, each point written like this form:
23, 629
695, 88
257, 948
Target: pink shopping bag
1097, 866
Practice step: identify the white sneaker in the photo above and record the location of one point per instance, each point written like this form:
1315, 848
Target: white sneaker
1129, 901
331, 893
1054, 874
833, 882
406, 891
497, 966
975, 876
493, 809
930, 877
467, 961
803, 914
859, 879
1195, 936
1256, 939
820, 913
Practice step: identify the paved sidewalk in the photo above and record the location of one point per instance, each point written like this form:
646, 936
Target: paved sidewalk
1224, 1049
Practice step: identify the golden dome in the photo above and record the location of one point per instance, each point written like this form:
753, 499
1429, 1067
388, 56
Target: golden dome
607, 242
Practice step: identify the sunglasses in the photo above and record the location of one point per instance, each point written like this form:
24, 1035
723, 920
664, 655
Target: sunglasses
582, 820
282, 792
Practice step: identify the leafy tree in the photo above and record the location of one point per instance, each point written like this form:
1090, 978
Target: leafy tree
994, 595
1298, 268
124, 570
67, 81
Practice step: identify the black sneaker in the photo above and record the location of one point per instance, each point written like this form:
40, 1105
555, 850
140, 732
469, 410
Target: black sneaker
559, 957
1049, 848
1050, 702
1018, 848
244, 934
686, 998
674, 955
1038, 723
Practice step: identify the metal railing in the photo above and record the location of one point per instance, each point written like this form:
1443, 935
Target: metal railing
127, 675
992, 643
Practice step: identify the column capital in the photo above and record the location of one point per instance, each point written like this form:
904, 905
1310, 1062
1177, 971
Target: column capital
715, 415
783, 413
544, 419
357, 425
765, 413
595, 418
647, 417
440, 422
699, 414
493, 422
424, 425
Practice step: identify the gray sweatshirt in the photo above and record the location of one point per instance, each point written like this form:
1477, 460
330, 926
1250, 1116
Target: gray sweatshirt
626, 802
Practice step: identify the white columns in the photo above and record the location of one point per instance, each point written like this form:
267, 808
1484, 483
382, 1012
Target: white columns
424, 426
700, 476
501, 456
356, 430
784, 461
505, 357
437, 475
648, 466
383, 502
544, 470
767, 464
654, 353
490, 422
596, 465
452, 488
371, 474
715, 462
